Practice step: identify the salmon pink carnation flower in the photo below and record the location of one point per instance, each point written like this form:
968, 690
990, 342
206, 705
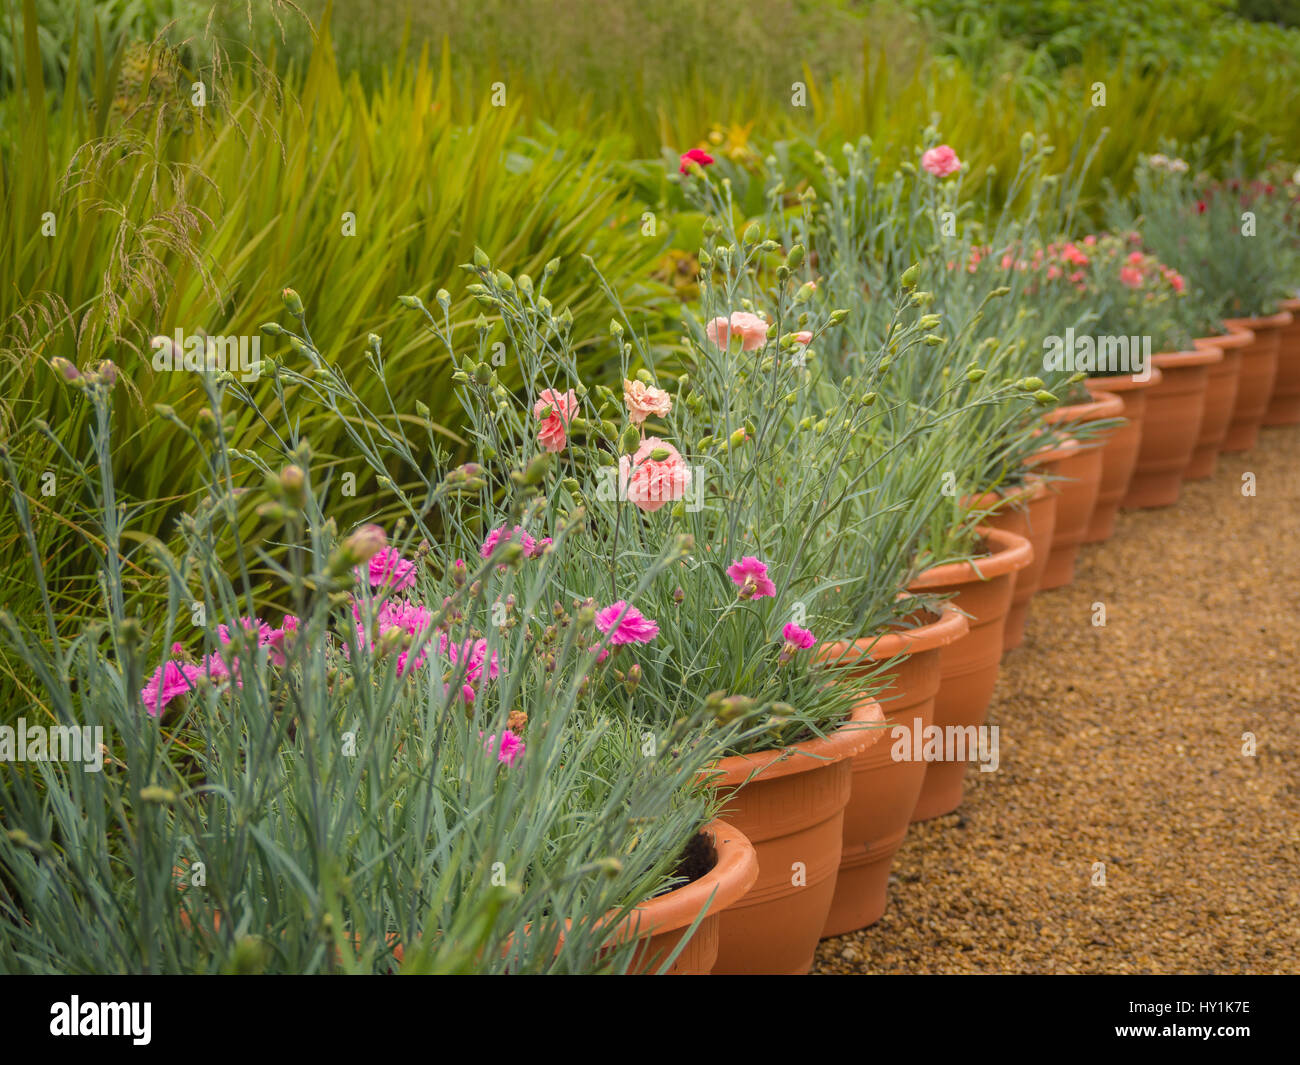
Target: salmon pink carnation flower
751, 329
941, 161
552, 434
644, 401
648, 482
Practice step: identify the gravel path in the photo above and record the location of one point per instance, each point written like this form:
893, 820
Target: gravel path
1123, 745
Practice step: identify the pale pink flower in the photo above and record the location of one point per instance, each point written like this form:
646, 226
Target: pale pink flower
751, 329
644, 401
804, 336
750, 577
623, 623
552, 434
650, 483
941, 161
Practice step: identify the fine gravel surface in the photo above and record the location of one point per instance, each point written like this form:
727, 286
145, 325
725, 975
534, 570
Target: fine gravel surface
1129, 827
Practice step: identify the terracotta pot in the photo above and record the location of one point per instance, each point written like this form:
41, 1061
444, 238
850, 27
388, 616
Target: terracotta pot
1174, 410
1081, 473
662, 921
1030, 513
1119, 453
790, 804
1255, 383
1284, 406
885, 790
968, 667
1220, 398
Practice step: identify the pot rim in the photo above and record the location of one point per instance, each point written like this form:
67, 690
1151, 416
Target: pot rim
850, 738
1226, 342
733, 874
1103, 405
1173, 360
1291, 304
1122, 382
951, 626
1034, 488
1067, 448
1267, 321
1013, 553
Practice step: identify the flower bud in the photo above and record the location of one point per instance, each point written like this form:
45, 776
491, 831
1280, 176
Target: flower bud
64, 367
156, 794
630, 440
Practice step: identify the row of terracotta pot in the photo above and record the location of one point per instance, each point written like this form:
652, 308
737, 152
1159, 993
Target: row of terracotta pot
810, 831
824, 819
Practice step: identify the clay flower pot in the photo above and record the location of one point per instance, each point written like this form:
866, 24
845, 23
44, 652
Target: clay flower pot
1284, 406
790, 804
1029, 512
968, 667
661, 922
885, 790
1078, 490
1119, 453
1220, 398
1173, 420
1255, 383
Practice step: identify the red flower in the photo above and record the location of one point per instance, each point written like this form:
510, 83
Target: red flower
1200, 207
695, 155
